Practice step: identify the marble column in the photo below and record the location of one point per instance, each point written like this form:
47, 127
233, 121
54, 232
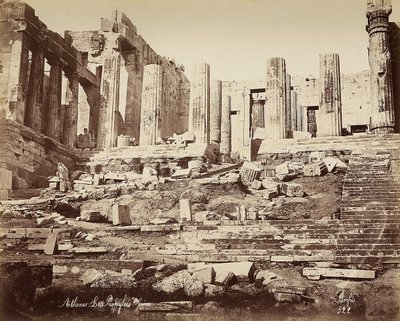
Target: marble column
382, 104
69, 135
225, 147
106, 133
215, 111
18, 78
150, 129
275, 99
329, 114
288, 114
34, 111
199, 110
54, 100
293, 110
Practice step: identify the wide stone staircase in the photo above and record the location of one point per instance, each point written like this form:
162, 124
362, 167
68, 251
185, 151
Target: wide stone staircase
370, 215
366, 233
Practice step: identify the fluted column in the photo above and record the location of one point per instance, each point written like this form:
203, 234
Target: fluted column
382, 105
54, 100
199, 111
69, 134
275, 99
226, 143
288, 114
18, 78
329, 115
293, 110
106, 133
215, 111
151, 105
34, 112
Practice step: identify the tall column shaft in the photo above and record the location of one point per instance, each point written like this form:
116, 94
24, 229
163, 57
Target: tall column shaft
329, 115
226, 143
18, 79
215, 111
275, 99
199, 110
54, 100
151, 105
106, 134
382, 104
293, 110
34, 112
288, 114
69, 134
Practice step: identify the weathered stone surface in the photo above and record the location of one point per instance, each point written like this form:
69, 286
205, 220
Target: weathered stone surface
265, 276
204, 274
287, 297
245, 289
5, 179
257, 185
272, 188
181, 173
121, 215
330, 163
292, 189
249, 172
90, 276
51, 244
240, 269
185, 210
315, 169
313, 273
157, 307
214, 291
44, 221
315, 157
90, 216
163, 221
225, 277
180, 280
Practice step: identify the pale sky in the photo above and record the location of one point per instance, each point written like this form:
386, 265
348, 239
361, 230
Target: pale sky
235, 37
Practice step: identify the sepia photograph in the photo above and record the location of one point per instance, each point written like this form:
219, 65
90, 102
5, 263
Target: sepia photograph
200, 160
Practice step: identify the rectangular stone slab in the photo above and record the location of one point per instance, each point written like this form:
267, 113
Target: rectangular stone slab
338, 273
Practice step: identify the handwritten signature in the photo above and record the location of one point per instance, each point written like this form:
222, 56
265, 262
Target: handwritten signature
344, 299
115, 304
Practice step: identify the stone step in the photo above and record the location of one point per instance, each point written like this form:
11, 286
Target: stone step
243, 247
364, 252
363, 246
359, 259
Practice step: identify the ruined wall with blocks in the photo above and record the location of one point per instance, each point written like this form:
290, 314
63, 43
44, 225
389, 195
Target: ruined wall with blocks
119, 55
31, 157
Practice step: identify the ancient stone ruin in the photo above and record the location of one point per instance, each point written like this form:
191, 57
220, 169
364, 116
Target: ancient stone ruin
126, 189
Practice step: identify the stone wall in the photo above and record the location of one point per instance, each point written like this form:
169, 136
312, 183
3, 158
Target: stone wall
31, 156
